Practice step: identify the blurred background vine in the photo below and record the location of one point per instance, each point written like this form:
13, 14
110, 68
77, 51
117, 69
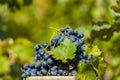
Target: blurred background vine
24, 23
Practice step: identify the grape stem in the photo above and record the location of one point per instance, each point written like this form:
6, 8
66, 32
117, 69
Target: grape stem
95, 70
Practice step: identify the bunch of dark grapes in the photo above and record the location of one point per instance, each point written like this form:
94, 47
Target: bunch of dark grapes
46, 65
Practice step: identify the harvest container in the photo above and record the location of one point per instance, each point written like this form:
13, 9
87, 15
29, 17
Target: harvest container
51, 78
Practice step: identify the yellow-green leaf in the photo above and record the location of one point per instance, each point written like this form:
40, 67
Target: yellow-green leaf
85, 72
93, 50
64, 51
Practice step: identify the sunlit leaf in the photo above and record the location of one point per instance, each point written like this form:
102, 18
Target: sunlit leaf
64, 51
99, 65
85, 72
4, 65
102, 66
24, 50
93, 50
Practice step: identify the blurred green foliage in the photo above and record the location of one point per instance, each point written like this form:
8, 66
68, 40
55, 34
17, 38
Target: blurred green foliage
24, 23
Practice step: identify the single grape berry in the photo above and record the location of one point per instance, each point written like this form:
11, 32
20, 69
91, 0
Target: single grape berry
24, 75
37, 47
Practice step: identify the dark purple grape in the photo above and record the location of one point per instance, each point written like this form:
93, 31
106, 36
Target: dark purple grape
87, 61
70, 74
83, 47
53, 73
78, 42
33, 74
60, 71
41, 51
75, 32
34, 70
26, 66
23, 75
80, 35
38, 64
27, 73
32, 65
44, 71
64, 73
37, 47
72, 38
84, 54
82, 60
70, 31
53, 68
38, 57
46, 56
62, 30
91, 57
60, 40
39, 73
44, 63
67, 27
45, 44
49, 61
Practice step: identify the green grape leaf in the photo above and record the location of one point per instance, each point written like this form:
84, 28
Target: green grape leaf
4, 64
116, 8
93, 50
85, 72
99, 67
23, 49
102, 66
64, 51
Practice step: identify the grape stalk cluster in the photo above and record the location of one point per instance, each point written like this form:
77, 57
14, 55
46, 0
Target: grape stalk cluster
46, 65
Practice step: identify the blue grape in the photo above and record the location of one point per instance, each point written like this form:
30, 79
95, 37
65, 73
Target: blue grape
78, 42
67, 27
87, 61
26, 66
53, 68
84, 54
23, 75
75, 32
45, 44
44, 71
53, 73
82, 60
46, 56
70, 31
72, 38
38, 57
49, 61
33, 74
34, 70
60, 40
80, 35
70, 74
64, 73
39, 73
41, 51
31, 65
83, 47
38, 64
91, 57
44, 63
60, 71
37, 47
62, 30
27, 72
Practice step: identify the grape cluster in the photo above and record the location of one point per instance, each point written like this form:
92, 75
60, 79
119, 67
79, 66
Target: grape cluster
46, 65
